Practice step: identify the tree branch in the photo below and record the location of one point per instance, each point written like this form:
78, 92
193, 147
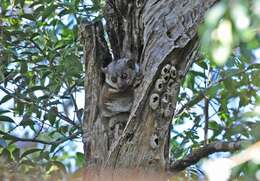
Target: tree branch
204, 152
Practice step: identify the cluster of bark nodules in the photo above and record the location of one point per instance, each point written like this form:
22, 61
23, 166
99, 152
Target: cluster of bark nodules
121, 77
162, 101
164, 90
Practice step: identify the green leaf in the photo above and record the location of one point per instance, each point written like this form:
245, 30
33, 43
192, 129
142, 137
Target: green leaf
4, 111
231, 86
72, 64
244, 100
6, 119
29, 17
30, 151
27, 122
20, 108
256, 78
24, 67
213, 125
6, 98
80, 159
48, 11
203, 65
212, 91
51, 116
16, 154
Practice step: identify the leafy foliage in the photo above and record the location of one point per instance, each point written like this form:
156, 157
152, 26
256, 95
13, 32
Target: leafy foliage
219, 100
41, 79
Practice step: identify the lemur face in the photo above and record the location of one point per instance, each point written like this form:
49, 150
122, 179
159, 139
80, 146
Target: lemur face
120, 74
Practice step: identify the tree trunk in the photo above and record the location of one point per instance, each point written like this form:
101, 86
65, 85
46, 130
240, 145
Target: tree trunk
160, 35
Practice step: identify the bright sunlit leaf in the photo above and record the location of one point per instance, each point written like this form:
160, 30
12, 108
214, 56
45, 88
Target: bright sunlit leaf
240, 16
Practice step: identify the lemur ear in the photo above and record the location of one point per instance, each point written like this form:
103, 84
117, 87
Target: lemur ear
131, 63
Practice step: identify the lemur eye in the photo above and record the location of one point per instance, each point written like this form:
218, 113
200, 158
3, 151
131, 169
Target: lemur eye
113, 79
124, 76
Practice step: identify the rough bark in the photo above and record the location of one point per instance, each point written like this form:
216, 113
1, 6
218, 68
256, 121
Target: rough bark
96, 55
156, 34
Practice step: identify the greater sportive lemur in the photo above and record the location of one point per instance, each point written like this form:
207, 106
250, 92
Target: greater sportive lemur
117, 94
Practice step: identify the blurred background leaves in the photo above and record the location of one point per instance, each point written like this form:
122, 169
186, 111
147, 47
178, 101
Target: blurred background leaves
224, 83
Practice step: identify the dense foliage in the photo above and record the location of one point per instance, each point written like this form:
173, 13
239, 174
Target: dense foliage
41, 81
220, 99
42, 73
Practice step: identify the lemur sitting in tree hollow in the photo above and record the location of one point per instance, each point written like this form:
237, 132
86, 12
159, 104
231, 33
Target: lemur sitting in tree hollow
117, 94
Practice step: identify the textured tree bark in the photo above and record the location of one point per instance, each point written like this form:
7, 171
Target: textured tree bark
160, 35
96, 54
